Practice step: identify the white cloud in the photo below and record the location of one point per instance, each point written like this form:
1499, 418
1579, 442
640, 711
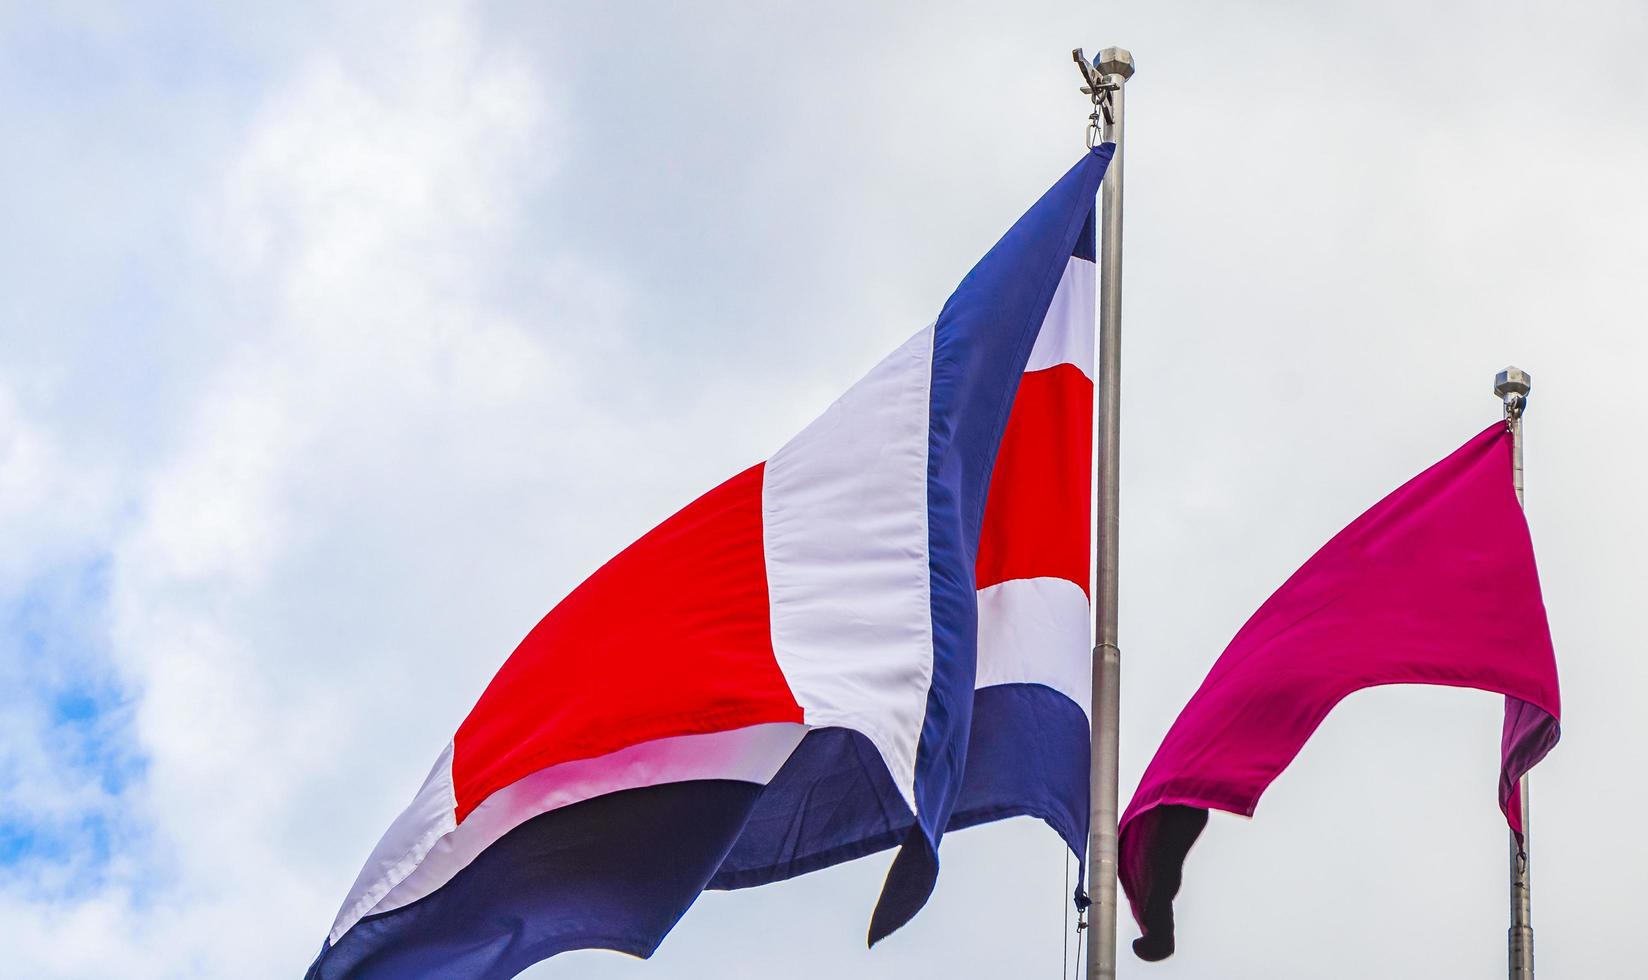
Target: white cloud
53, 506
381, 419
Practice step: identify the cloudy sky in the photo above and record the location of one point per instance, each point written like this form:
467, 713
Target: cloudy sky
336, 346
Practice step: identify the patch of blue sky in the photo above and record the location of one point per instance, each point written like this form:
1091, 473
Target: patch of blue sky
69, 756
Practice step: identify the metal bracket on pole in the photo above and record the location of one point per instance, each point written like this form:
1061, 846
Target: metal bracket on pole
1512, 386
1098, 82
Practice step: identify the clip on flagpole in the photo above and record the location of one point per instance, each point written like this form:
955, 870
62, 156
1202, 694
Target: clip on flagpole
1512, 386
1104, 80
1099, 79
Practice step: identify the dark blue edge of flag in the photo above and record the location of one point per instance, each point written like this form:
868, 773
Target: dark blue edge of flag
1087, 243
618, 871
833, 802
981, 343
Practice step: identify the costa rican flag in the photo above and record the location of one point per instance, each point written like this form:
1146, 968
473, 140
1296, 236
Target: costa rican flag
879, 634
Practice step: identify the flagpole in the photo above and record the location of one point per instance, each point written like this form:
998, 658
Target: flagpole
1512, 386
1110, 72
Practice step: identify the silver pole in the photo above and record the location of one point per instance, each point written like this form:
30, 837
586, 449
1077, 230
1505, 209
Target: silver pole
1512, 386
1115, 67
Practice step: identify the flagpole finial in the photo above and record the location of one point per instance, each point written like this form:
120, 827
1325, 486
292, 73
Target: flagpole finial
1115, 61
1512, 386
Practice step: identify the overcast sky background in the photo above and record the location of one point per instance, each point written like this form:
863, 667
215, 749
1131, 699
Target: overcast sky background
335, 347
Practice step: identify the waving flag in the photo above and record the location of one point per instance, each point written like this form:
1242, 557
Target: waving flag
878, 634
1435, 585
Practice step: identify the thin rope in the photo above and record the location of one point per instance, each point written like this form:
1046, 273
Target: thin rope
1064, 934
1081, 926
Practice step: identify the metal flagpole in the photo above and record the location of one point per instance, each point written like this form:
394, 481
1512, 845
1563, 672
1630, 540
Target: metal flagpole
1107, 80
1512, 386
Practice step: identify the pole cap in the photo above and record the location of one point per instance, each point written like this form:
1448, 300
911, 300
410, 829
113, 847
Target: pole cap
1513, 381
1115, 61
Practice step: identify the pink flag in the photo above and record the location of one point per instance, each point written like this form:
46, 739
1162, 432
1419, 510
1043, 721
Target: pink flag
1435, 585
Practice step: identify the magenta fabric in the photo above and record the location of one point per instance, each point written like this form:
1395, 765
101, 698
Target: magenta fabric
1434, 585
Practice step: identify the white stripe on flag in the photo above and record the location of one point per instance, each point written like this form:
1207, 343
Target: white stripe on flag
1035, 631
431, 815
844, 506
1066, 335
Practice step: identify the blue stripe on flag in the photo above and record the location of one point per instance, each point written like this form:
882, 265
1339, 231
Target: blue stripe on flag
981, 344
833, 801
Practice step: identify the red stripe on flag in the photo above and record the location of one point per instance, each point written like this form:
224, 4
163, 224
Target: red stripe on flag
671, 637
1037, 517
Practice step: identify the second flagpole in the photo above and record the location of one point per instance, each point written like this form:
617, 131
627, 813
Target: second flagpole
1512, 386
1107, 84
